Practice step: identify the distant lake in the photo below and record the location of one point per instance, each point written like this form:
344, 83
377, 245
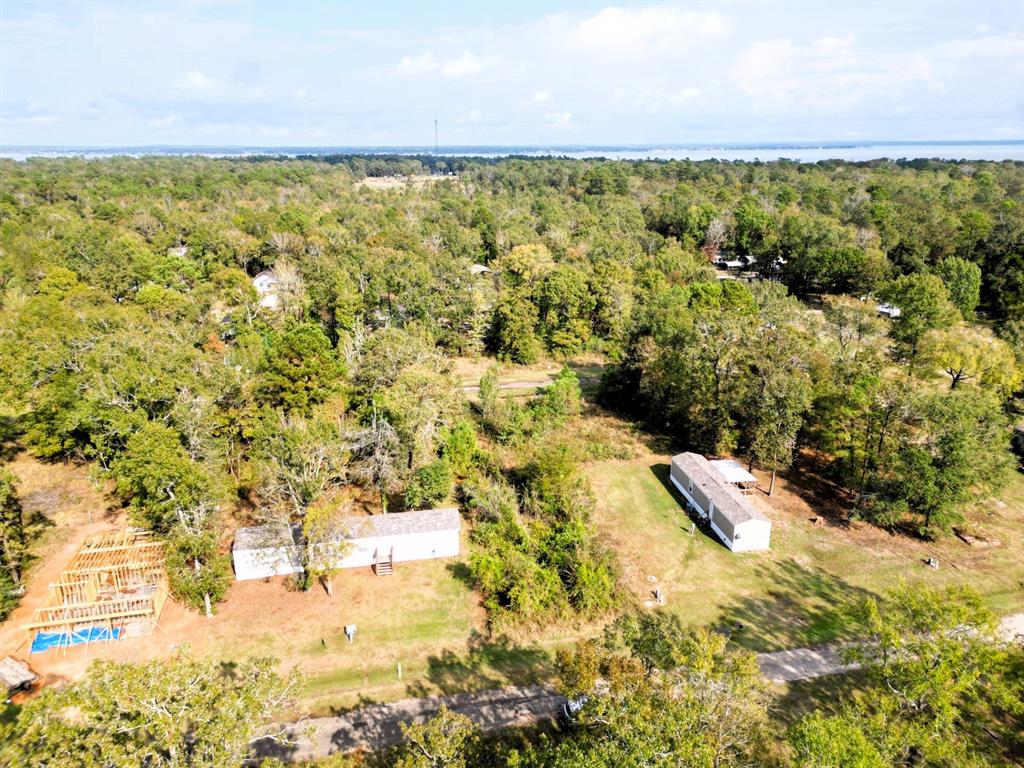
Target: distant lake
808, 152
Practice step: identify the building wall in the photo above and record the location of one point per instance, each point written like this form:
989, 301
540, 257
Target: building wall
752, 535
409, 546
696, 497
269, 561
283, 561
724, 526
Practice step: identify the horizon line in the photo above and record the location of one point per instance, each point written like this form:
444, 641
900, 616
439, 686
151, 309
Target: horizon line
766, 144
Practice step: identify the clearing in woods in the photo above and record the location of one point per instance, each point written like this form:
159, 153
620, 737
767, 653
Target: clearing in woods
793, 594
427, 619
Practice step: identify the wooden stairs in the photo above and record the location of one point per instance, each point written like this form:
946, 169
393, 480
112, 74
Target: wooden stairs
384, 566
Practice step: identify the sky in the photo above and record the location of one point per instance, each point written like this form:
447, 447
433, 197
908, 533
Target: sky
521, 73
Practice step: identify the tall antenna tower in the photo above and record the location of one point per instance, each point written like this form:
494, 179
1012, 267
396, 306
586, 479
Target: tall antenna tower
436, 152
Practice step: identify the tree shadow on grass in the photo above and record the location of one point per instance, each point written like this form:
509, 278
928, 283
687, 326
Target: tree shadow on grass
662, 472
831, 502
829, 695
802, 607
489, 663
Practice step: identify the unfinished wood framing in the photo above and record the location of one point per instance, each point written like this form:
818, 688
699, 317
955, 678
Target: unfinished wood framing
115, 578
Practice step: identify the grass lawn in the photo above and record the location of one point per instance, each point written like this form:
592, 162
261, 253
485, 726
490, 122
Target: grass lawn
793, 594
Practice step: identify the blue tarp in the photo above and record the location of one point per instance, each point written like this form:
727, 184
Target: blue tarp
44, 641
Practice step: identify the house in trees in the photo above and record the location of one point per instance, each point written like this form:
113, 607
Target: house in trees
888, 310
376, 541
715, 490
266, 283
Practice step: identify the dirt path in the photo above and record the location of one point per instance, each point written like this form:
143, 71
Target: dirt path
379, 726
506, 385
823, 660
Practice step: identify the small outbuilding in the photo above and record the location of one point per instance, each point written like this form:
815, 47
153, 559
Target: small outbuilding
377, 541
16, 675
740, 525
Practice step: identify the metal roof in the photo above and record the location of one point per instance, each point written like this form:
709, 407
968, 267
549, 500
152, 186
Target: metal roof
736, 507
732, 471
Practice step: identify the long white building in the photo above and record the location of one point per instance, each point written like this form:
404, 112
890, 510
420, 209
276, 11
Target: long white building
377, 540
713, 493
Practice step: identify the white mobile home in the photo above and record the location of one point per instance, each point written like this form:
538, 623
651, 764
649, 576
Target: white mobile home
716, 498
377, 540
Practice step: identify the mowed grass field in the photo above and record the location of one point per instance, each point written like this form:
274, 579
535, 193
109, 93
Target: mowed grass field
794, 594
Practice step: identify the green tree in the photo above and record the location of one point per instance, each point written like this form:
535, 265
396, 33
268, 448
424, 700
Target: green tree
447, 740
970, 354
963, 281
512, 329
325, 543
954, 451
157, 476
923, 301
199, 574
459, 447
178, 712
13, 534
299, 369
430, 484
820, 741
933, 664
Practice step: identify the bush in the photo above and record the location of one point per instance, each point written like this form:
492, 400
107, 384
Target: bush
460, 447
430, 484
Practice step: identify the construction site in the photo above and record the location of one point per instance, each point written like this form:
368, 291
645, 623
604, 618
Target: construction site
115, 586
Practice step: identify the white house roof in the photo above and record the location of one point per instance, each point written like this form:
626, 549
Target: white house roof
371, 526
265, 281
889, 310
732, 471
736, 507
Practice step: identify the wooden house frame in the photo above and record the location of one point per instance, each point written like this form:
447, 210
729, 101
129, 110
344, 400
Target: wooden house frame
113, 579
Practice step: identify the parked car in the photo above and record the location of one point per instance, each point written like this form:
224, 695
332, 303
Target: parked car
572, 708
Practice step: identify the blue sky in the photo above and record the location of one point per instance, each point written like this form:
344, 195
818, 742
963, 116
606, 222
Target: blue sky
317, 73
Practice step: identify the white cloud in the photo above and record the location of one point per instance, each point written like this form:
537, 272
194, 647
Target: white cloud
461, 66
469, 116
558, 119
540, 97
466, 64
689, 94
833, 47
198, 81
165, 121
639, 30
417, 65
1010, 45
764, 69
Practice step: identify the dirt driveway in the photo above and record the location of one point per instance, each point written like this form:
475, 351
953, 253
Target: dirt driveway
379, 726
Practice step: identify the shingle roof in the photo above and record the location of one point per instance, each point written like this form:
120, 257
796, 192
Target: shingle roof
736, 507
15, 673
395, 524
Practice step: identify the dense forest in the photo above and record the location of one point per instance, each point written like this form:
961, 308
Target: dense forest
132, 337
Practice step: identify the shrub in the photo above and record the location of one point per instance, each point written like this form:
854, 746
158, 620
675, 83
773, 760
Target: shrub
430, 484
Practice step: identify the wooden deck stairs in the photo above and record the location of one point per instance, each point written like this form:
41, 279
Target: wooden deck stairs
384, 565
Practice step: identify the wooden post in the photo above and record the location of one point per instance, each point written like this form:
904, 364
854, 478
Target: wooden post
771, 484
